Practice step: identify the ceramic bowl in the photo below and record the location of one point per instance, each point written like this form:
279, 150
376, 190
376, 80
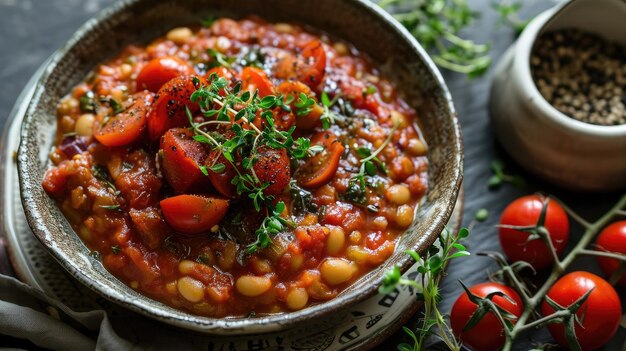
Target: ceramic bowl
359, 22
569, 153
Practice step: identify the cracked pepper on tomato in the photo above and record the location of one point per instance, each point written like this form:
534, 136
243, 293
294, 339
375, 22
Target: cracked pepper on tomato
237, 168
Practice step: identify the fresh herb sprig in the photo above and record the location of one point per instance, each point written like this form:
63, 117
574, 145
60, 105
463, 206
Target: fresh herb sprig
431, 266
370, 165
499, 176
436, 25
238, 109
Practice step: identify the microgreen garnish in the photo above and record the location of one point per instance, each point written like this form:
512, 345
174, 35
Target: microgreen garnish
304, 105
272, 225
234, 108
112, 207
219, 59
87, 102
115, 249
301, 199
328, 117
499, 176
102, 175
370, 166
115, 105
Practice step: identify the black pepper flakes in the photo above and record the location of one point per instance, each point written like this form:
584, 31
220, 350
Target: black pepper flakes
581, 75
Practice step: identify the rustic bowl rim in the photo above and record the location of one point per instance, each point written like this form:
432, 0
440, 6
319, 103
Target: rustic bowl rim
227, 326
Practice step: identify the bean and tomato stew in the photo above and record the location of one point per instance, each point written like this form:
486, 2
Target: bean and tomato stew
238, 168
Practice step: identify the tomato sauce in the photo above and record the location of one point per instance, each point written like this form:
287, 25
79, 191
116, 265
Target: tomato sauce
141, 172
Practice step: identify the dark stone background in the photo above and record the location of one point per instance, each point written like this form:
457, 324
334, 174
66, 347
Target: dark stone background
30, 30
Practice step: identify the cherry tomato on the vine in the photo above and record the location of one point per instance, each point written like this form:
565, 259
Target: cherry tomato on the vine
599, 315
488, 334
524, 212
612, 239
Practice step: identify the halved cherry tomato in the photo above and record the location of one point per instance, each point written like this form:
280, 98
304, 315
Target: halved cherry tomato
320, 169
126, 126
169, 109
221, 181
525, 212
309, 67
160, 71
488, 334
193, 214
612, 239
273, 167
312, 72
294, 88
182, 156
255, 78
599, 315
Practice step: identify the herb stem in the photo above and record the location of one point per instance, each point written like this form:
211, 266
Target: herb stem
606, 254
382, 146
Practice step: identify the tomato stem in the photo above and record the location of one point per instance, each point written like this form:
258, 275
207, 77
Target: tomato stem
531, 304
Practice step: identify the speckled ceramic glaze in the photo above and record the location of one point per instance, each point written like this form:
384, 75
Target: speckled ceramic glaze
359, 22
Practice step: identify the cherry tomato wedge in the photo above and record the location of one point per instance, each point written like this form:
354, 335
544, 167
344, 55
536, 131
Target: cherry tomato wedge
160, 71
612, 239
312, 72
127, 126
320, 169
303, 121
193, 214
525, 211
221, 180
488, 334
255, 79
182, 156
600, 314
169, 109
273, 167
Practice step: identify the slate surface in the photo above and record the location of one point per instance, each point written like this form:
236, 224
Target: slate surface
30, 30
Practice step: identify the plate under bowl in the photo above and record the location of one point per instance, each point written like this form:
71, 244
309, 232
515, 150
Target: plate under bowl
359, 22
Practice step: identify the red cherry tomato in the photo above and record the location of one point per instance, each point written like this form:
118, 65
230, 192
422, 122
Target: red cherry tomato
193, 214
321, 168
312, 72
488, 334
127, 126
169, 109
294, 88
273, 167
182, 156
309, 67
255, 79
612, 239
600, 314
221, 180
160, 71
525, 211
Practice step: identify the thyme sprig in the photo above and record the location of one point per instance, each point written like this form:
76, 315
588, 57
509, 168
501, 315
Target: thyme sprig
431, 266
370, 165
237, 109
